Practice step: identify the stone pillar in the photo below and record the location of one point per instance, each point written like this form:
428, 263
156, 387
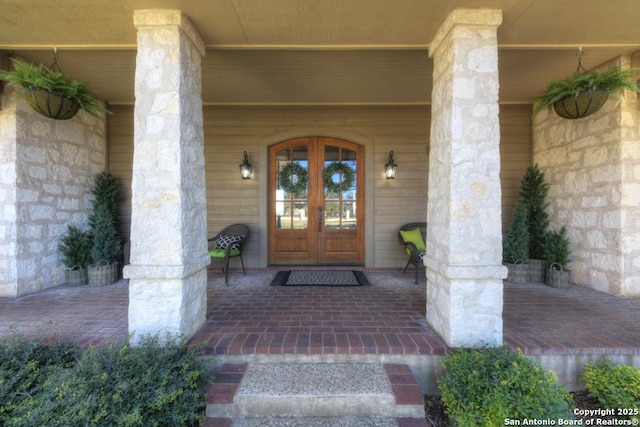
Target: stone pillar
464, 227
168, 260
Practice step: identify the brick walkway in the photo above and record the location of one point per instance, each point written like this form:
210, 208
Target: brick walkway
387, 317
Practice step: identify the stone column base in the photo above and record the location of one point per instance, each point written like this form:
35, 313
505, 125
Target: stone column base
465, 311
175, 306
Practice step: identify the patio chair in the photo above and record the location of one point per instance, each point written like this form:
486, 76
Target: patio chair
413, 236
228, 244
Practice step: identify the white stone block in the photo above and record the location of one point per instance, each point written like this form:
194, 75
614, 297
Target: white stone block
167, 305
597, 239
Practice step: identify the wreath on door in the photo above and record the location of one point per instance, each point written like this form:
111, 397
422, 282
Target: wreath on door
348, 177
286, 178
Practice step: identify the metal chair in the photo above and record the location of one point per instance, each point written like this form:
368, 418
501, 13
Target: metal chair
228, 244
414, 250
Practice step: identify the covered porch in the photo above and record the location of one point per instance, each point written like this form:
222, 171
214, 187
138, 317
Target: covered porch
448, 144
250, 321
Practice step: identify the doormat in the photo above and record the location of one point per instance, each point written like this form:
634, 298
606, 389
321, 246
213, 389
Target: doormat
320, 278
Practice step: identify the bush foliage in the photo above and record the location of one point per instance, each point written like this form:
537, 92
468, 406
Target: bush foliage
557, 247
533, 193
515, 242
484, 387
75, 247
615, 387
59, 385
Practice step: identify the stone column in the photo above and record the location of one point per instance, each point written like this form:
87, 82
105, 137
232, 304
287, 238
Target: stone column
464, 227
168, 260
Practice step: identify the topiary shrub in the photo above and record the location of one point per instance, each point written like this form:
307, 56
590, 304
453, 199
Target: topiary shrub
533, 193
615, 387
557, 247
485, 387
75, 247
105, 218
515, 242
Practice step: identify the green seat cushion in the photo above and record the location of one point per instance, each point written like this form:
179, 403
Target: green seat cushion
219, 253
414, 236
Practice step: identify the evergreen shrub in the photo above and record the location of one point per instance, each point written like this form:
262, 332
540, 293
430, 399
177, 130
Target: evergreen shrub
485, 387
533, 193
515, 242
156, 383
615, 387
105, 218
557, 247
75, 247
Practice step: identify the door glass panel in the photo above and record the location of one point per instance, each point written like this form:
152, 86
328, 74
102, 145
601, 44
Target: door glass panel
332, 215
292, 167
339, 179
348, 215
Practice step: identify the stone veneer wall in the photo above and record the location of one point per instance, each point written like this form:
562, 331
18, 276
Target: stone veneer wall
592, 166
46, 174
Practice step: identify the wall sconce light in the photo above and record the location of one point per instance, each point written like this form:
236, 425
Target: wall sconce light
245, 167
390, 167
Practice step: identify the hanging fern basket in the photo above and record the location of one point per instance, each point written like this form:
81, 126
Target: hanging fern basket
50, 104
582, 105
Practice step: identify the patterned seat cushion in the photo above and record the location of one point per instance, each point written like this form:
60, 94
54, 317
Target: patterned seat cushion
226, 240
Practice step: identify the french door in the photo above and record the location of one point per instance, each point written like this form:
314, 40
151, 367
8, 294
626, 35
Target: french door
316, 202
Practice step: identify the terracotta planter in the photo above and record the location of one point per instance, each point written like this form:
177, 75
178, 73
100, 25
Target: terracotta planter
52, 105
583, 105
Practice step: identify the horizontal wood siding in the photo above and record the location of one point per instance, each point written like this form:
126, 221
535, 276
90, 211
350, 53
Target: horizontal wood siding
231, 130
120, 158
515, 154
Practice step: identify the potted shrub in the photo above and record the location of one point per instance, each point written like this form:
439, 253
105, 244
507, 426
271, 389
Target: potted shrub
534, 192
557, 251
51, 93
75, 247
515, 246
581, 95
106, 243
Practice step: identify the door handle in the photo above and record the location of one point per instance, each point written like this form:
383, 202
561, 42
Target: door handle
319, 219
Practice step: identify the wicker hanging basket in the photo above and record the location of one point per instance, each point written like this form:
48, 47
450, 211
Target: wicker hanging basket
582, 105
50, 104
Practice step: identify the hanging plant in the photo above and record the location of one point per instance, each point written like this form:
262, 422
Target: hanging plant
292, 178
584, 93
346, 172
51, 93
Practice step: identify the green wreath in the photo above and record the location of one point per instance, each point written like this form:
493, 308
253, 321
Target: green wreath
348, 176
287, 183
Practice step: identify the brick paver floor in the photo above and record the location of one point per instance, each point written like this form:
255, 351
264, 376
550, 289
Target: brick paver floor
387, 317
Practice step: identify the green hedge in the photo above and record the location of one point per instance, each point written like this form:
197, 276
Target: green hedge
615, 387
157, 383
485, 387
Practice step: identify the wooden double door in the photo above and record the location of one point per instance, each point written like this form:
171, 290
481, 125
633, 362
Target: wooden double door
316, 202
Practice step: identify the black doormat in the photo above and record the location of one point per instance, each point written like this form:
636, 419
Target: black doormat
320, 278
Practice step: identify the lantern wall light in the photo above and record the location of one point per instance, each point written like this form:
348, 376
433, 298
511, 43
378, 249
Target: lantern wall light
390, 167
245, 167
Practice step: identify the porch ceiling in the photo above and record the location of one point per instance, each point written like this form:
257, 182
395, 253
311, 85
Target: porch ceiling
330, 52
